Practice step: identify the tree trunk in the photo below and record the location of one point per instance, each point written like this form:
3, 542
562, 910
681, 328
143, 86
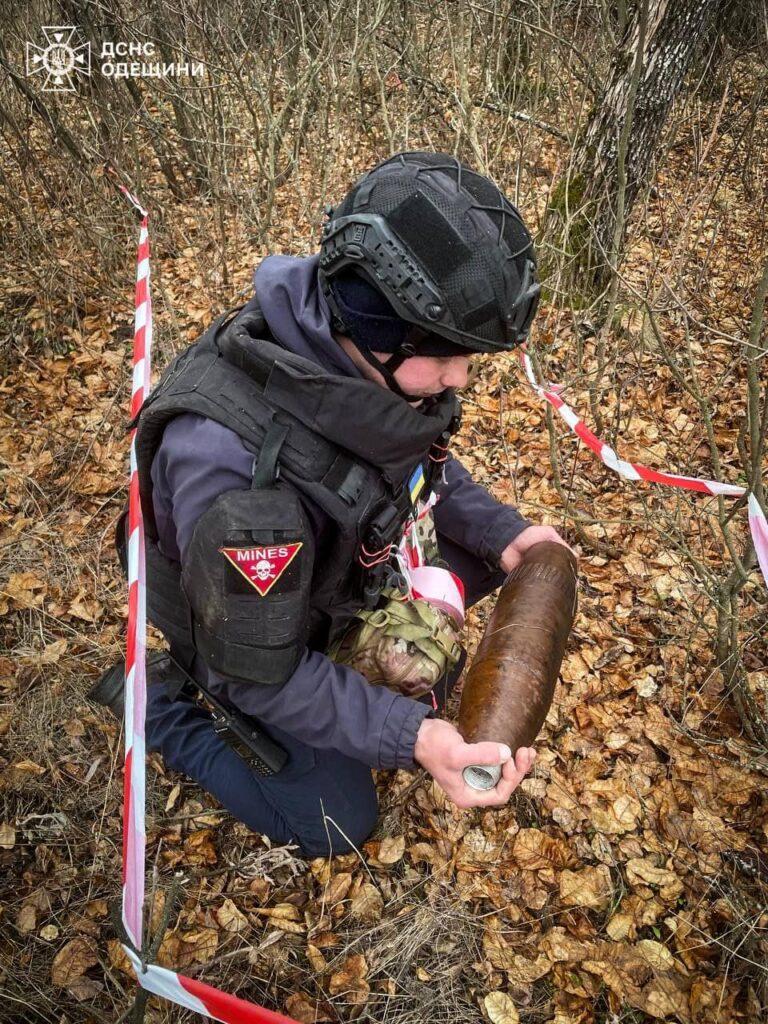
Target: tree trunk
589, 197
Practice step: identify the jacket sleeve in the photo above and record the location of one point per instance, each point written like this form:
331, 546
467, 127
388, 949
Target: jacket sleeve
322, 704
471, 517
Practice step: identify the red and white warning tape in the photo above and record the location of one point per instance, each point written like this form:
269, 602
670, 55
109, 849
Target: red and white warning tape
134, 836
635, 471
438, 586
186, 992
203, 999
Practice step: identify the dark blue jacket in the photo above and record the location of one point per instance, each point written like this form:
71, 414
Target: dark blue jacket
323, 704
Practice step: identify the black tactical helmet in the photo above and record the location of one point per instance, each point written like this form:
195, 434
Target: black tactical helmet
443, 245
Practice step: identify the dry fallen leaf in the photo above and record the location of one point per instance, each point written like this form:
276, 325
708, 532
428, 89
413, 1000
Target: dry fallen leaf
558, 945
535, 850
27, 768
84, 988
613, 976
640, 869
337, 889
523, 972
350, 980
7, 836
173, 796
662, 998
199, 848
591, 887
709, 1001
502, 955
645, 685
316, 958
53, 652
260, 888
170, 952
74, 728
655, 954
292, 927
72, 960
626, 810
41, 899
477, 848
85, 607
118, 958
230, 918
367, 905
21, 587
391, 850
321, 869
305, 1010
26, 920
621, 927
282, 912
198, 945
500, 1008
422, 852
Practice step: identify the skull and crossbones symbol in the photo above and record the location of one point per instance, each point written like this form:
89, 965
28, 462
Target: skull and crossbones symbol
264, 570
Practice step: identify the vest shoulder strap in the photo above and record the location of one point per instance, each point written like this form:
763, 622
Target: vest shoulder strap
201, 381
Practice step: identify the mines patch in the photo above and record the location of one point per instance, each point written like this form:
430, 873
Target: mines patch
262, 567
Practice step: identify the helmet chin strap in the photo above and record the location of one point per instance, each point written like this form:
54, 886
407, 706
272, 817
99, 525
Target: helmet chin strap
387, 370
398, 357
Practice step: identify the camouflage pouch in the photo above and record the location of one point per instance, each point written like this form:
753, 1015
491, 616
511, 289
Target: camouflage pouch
426, 537
406, 645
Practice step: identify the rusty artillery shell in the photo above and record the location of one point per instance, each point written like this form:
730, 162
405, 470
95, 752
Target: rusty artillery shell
510, 684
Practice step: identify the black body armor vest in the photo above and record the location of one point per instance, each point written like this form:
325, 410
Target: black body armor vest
346, 445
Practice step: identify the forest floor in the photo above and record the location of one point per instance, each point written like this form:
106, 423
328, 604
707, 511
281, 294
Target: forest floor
624, 881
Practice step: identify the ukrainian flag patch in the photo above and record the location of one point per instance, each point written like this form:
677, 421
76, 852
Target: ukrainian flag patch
416, 483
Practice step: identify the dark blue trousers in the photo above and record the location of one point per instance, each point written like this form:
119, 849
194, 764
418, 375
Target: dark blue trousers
322, 800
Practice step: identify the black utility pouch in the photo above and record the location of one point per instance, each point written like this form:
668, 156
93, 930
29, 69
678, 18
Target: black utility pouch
247, 575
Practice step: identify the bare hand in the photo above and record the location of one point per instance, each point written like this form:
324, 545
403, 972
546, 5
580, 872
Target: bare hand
441, 749
513, 553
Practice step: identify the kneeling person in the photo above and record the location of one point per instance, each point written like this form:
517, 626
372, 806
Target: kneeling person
281, 460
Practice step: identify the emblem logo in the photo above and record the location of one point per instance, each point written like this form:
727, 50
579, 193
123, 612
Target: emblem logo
61, 59
262, 567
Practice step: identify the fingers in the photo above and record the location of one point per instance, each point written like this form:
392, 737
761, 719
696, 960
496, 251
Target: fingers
550, 533
524, 759
483, 753
565, 544
514, 771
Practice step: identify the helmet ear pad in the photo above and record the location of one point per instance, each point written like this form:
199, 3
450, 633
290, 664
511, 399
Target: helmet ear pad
364, 315
427, 343
367, 315
370, 319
